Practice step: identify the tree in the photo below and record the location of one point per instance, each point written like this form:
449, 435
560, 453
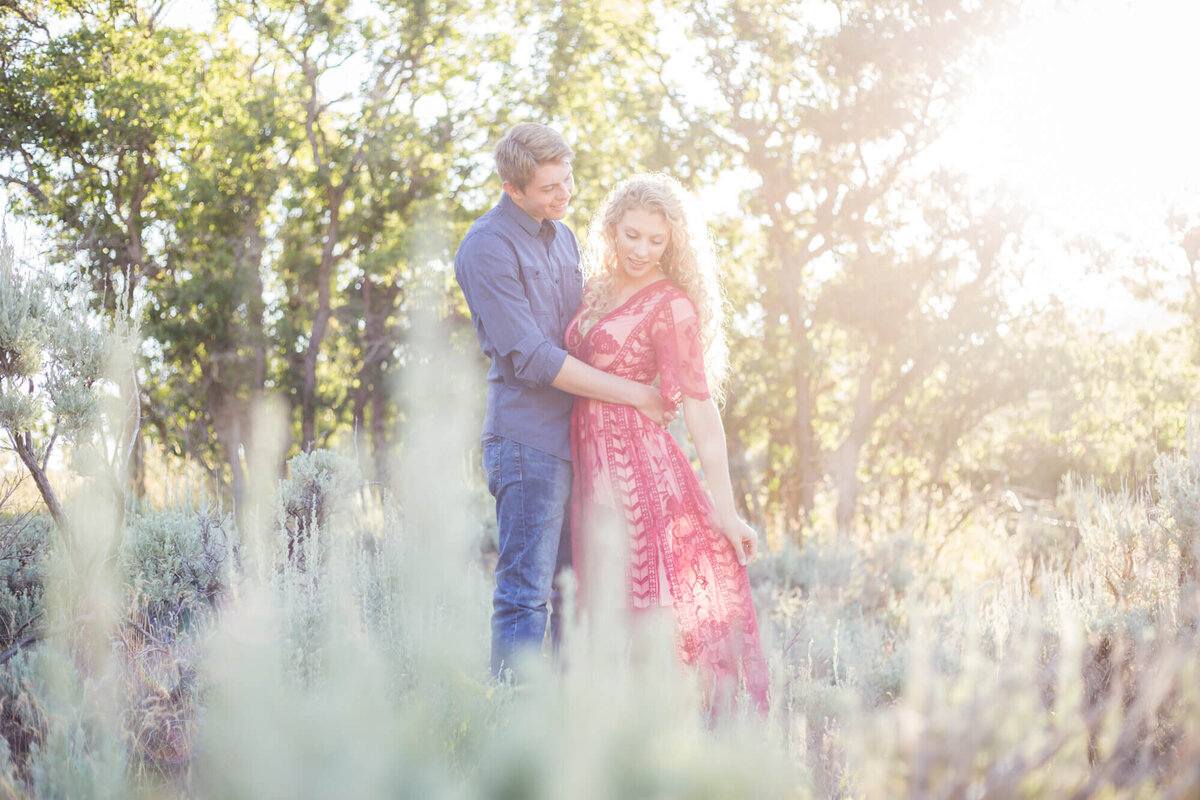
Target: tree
91, 93
877, 275
207, 311
1185, 230
597, 72
51, 361
270, 223
359, 169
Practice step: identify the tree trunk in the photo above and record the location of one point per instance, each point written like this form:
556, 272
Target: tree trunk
308, 388
845, 481
22, 443
844, 464
380, 446
139, 466
362, 394
250, 260
778, 467
787, 318
808, 457
131, 470
740, 474
227, 426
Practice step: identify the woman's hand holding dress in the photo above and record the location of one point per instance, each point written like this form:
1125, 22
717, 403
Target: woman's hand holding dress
743, 538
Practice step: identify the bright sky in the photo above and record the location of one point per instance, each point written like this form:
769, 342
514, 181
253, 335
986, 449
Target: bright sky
1090, 112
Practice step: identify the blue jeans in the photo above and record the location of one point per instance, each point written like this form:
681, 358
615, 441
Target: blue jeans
531, 490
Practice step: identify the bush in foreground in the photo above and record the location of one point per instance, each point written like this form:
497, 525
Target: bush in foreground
361, 671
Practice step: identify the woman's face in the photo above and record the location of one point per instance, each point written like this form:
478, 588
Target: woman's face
641, 239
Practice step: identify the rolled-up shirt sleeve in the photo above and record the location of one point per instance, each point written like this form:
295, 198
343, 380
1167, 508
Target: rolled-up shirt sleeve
487, 271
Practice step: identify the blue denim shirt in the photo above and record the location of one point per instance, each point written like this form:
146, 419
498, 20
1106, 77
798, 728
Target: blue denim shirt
523, 285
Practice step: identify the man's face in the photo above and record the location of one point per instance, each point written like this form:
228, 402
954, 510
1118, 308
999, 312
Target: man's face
548, 193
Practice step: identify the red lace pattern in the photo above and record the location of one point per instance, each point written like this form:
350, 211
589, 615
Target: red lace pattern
632, 471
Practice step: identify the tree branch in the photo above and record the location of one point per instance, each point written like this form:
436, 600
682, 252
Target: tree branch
22, 443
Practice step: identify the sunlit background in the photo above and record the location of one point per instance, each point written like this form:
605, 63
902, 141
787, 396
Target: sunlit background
245, 545
1085, 110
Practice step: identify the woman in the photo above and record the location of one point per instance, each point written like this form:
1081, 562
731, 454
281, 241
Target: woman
652, 309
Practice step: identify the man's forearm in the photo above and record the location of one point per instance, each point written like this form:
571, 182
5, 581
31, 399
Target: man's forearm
578, 378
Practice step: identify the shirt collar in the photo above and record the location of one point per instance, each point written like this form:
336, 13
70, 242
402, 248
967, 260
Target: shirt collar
514, 212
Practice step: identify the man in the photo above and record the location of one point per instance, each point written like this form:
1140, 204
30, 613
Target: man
518, 267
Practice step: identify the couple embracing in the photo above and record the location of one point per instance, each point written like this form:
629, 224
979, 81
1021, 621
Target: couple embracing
575, 446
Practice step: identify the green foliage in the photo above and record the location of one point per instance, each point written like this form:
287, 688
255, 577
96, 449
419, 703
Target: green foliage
207, 306
50, 360
878, 283
80, 753
108, 87
274, 192
23, 542
176, 564
258, 219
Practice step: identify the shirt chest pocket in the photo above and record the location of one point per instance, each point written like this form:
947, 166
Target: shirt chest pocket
566, 263
542, 289
538, 275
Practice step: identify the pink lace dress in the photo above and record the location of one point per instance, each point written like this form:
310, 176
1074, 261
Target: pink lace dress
631, 471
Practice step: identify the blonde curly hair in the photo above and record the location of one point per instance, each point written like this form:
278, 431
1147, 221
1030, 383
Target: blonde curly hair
689, 261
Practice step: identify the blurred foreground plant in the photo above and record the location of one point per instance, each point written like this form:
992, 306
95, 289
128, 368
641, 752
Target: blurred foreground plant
351, 660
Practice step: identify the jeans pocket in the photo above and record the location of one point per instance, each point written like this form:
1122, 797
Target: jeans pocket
491, 462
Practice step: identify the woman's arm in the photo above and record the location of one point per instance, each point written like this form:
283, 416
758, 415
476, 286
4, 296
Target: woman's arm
578, 378
704, 424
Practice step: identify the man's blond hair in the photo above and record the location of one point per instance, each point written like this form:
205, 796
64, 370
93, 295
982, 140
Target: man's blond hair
525, 148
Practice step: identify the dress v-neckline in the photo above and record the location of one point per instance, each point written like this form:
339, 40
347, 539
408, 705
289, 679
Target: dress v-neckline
632, 297
595, 327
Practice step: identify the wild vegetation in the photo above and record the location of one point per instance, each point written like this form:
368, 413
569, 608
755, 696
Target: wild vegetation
243, 539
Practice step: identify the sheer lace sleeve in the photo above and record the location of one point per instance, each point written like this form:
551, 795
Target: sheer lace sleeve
677, 347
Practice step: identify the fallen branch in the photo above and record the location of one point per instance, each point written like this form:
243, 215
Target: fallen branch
23, 642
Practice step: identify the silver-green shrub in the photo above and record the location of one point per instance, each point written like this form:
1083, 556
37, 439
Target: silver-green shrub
311, 525
175, 563
978, 661
1177, 521
51, 353
81, 752
24, 540
22, 713
319, 483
